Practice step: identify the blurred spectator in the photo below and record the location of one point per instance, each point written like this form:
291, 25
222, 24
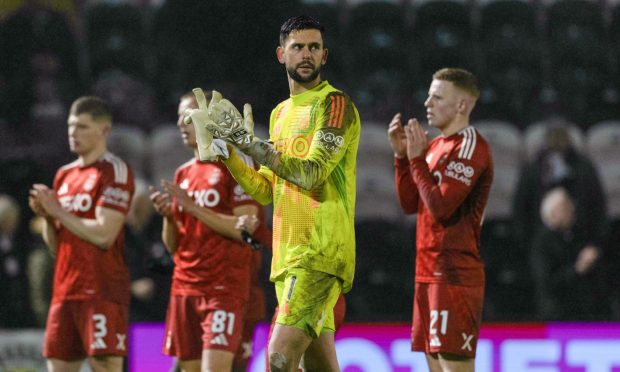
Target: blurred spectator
15, 309
149, 288
40, 274
38, 50
565, 267
560, 164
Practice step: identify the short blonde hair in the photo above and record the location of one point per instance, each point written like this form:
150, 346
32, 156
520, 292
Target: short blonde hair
461, 78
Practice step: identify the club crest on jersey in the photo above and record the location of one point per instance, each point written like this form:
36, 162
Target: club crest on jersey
90, 182
215, 177
460, 172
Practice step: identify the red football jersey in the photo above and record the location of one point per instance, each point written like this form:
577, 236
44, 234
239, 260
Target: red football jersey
83, 271
449, 191
206, 262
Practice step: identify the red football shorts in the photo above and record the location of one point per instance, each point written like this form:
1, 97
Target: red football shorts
255, 312
79, 329
196, 323
446, 318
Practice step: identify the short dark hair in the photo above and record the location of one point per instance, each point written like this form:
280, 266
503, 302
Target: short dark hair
302, 22
95, 106
461, 78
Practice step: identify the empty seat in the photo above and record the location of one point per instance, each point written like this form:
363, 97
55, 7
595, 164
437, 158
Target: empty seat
129, 143
603, 145
507, 148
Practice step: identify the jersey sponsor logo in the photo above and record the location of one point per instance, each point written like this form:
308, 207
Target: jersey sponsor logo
120, 338
219, 340
98, 344
330, 141
64, 188
300, 146
438, 177
240, 194
247, 349
206, 197
76, 203
337, 111
117, 196
168, 340
467, 341
460, 172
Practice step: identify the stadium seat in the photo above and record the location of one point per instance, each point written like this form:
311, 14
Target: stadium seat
507, 148
165, 152
116, 38
579, 48
512, 58
384, 270
507, 271
534, 136
442, 36
129, 143
603, 146
376, 191
614, 30
377, 65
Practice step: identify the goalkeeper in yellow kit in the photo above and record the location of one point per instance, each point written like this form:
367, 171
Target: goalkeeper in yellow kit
308, 172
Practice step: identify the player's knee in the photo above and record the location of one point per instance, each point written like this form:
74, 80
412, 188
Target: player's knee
278, 362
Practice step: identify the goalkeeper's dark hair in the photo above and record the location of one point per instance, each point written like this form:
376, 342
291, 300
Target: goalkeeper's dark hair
92, 105
297, 23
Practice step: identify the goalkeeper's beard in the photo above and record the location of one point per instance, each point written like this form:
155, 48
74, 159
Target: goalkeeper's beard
292, 72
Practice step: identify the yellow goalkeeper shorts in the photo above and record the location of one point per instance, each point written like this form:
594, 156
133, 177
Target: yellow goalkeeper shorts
306, 300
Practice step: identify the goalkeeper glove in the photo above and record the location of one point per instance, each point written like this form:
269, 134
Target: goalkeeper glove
228, 124
207, 149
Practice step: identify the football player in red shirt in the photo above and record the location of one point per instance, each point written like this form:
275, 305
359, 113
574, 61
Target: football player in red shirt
446, 182
211, 278
84, 217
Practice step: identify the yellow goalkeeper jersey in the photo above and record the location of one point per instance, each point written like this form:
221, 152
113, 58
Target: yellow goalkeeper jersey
313, 187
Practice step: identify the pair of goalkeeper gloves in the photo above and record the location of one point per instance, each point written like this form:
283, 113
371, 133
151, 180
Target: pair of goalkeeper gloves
218, 122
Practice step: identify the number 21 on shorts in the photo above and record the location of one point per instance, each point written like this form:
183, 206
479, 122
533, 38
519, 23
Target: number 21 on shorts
439, 318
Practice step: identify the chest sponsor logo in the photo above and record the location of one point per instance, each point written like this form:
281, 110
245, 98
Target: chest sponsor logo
460, 172
206, 197
76, 203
